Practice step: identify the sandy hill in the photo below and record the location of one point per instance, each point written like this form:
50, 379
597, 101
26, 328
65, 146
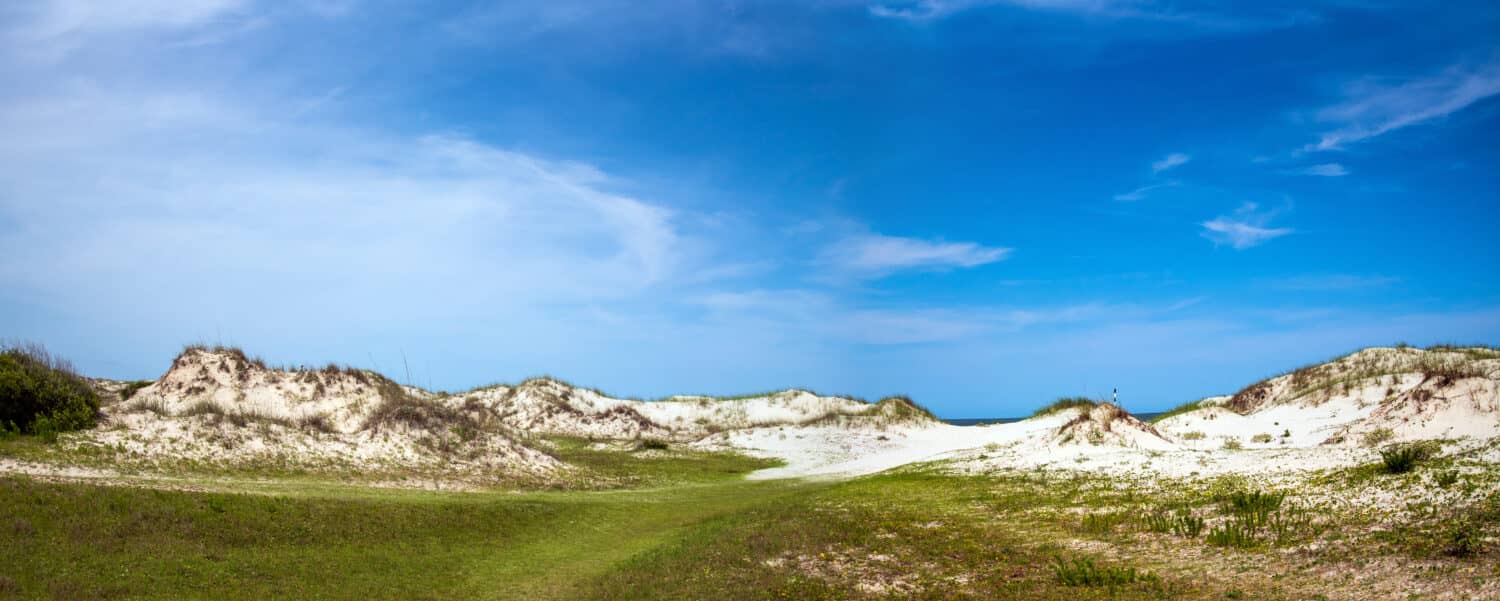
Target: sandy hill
1365, 398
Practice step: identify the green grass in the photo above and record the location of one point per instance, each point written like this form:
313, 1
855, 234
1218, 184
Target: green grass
1178, 410
1064, 404
86, 541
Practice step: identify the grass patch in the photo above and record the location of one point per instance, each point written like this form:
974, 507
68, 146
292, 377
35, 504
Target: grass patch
1179, 410
1064, 404
1083, 571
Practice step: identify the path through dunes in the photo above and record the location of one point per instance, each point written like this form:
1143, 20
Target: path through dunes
333, 542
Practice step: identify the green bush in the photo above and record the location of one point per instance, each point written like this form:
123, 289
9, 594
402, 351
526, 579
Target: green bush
1234, 533
42, 395
1399, 459
654, 444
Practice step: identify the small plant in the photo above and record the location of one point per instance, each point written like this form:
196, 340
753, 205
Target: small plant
1399, 459
1194, 435
1254, 507
1158, 522
1379, 435
654, 444
1101, 523
1232, 444
1261, 438
1446, 479
1235, 533
1286, 433
1187, 525
1464, 539
1084, 572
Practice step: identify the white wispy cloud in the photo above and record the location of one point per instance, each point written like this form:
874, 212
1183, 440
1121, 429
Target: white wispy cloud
1323, 170
876, 255
1203, 18
1373, 107
1143, 191
1170, 162
1247, 227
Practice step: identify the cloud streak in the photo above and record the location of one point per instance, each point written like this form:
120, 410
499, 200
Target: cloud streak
874, 255
1373, 108
1246, 228
1170, 162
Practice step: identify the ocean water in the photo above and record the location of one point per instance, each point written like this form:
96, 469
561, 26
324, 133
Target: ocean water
980, 421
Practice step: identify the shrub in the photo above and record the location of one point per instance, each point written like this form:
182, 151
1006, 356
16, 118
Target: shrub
42, 395
1232, 444
1261, 438
1399, 459
654, 444
1446, 479
1084, 572
1194, 435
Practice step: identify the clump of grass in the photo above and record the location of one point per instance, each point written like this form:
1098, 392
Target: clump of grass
1099, 524
1254, 507
1261, 438
1444, 370
1188, 525
1178, 410
41, 394
1233, 444
1084, 572
1379, 435
654, 444
1064, 404
1446, 479
1464, 539
1400, 459
130, 388
1234, 533
1194, 435
1159, 522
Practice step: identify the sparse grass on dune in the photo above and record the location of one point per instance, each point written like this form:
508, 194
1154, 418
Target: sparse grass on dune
1066, 403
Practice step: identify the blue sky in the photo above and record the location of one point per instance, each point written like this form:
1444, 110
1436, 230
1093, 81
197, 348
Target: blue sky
981, 204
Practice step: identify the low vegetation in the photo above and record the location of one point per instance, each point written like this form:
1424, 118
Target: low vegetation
1066, 403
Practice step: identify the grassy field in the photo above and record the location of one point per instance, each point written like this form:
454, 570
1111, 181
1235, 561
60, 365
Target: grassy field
687, 526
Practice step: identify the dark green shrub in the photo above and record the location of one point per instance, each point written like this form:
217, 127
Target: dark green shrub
42, 395
1448, 478
654, 444
1399, 459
